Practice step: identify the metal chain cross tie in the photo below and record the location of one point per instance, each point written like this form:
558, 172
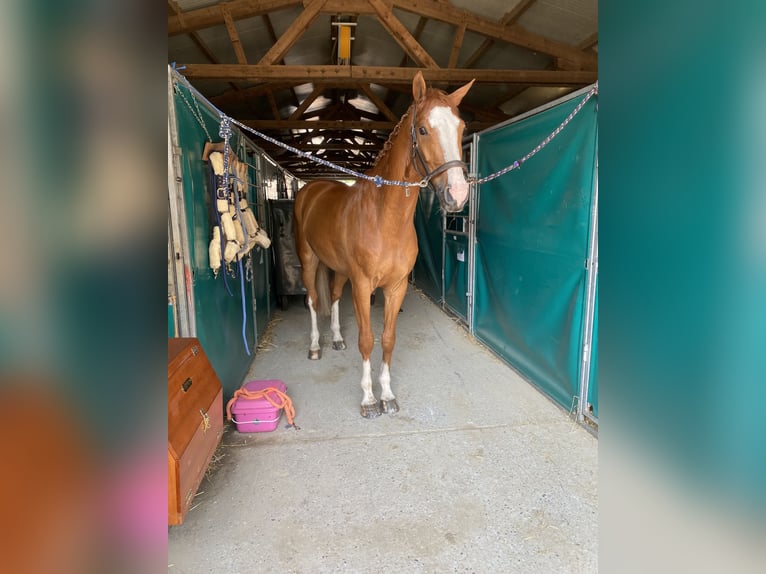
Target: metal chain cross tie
519, 162
377, 180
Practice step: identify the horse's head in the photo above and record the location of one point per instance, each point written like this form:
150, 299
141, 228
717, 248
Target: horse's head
437, 134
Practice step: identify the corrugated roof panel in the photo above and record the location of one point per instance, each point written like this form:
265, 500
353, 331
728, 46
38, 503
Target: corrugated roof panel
490, 9
565, 21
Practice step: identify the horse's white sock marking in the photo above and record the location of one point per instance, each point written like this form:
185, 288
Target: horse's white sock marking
385, 383
314, 329
368, 398
335, 321
445, 123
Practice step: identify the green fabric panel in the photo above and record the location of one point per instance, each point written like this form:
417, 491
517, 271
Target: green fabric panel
456, 274
171, 322
218, 314
593, 378
532, 237
428, 224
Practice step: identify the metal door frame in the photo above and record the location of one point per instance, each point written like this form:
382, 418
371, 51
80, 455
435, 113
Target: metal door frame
177, 235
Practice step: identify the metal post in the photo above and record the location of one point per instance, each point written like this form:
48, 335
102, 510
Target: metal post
444, 260
590, 300
471, 247
182, 269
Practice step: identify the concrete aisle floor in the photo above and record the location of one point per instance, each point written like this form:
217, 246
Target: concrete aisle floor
478, 472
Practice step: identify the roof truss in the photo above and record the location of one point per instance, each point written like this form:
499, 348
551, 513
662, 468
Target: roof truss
312, 124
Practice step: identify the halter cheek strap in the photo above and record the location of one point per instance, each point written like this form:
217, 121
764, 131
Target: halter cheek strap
420, 163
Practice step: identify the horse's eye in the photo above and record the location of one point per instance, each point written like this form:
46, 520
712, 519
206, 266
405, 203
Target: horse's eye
422, 131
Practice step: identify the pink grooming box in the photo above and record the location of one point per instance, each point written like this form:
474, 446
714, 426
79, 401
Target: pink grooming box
257, 415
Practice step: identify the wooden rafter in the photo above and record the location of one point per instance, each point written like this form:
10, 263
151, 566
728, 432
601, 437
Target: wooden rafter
307, 102
231, 28
416, 34
484, 113
456, 45
273, 37
338, 124
273, 105
402, 36
291, 35
332, 146
201, 18
386, 74
197, 39
432, 9
351, 136
382, 107
589, 42
508, 18
514, 34
249, 93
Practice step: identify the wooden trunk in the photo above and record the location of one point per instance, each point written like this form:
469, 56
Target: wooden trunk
195, 422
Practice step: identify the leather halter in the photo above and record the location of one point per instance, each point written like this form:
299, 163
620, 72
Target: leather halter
419, 159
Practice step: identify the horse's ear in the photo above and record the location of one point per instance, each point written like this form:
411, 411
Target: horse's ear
419, 87
457, 96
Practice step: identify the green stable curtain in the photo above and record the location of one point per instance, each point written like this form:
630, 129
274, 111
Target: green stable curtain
427, 272
532, 233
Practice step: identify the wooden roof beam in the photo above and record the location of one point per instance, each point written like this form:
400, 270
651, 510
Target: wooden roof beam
416, 34
231, 28
433, 9
589, 42
382, 107
273, 105
387, 74
332, 146
318, 89
193, 20
508, 18
339, 124
402, 36
293, 32
514, 34
456, 45
273, 38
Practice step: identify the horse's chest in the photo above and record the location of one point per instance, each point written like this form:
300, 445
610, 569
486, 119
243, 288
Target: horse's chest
386, 256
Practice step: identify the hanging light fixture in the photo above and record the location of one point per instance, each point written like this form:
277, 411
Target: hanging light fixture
343, 39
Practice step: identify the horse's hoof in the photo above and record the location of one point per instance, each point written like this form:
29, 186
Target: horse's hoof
339, 345
389, 407
315, 355
371, 411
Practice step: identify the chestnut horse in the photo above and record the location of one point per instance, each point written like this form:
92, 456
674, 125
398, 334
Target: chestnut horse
367, 234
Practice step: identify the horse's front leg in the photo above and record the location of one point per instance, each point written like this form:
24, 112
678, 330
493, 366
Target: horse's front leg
394, 298
370, 406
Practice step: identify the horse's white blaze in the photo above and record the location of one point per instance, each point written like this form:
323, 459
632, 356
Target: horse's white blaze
368, 397
445, 123
385, 383
335, 321
314, 328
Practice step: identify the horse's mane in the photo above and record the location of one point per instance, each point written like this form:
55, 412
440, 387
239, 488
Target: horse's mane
391, 136
390, 141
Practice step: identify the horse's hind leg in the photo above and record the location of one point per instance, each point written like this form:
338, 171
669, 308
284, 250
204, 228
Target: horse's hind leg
309, 264
337, 290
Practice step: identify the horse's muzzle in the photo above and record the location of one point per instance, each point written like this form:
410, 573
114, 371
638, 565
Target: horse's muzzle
455, 193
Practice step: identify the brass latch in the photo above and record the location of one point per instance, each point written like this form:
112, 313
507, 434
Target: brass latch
205, 420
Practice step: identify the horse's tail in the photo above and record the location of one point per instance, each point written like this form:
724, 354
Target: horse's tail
322, 284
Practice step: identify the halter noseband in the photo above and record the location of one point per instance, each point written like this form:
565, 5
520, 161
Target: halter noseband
419, 159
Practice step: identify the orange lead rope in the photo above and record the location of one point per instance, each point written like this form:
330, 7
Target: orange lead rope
281, 402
